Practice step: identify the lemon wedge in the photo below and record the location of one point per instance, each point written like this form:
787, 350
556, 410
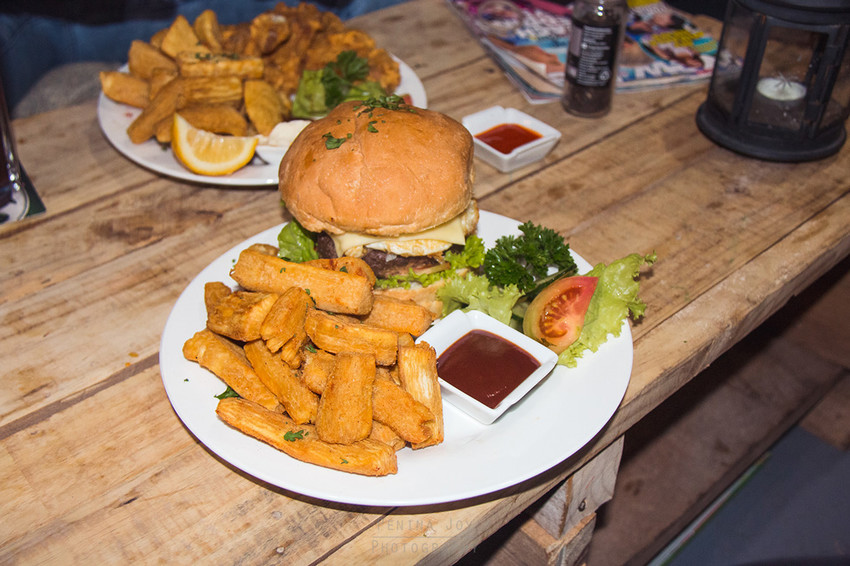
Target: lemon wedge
205, 153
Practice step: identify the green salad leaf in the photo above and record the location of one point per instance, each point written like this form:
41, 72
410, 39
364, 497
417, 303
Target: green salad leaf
474, 292
295, 243
309, 98
341, 80
471, 257
472, 254
227, 393
615, 299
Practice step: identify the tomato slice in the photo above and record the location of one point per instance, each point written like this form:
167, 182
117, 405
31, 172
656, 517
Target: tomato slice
556, 316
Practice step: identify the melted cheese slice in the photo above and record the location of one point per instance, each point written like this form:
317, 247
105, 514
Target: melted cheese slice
429, 241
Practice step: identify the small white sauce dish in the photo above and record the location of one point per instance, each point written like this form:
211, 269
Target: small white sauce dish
450, 329
272, 148
519, 157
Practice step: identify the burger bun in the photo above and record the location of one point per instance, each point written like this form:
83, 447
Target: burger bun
385, 171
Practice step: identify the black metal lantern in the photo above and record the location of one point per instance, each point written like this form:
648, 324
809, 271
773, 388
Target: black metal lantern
780, 89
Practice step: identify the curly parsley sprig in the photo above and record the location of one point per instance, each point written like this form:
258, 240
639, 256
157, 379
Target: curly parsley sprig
524, 260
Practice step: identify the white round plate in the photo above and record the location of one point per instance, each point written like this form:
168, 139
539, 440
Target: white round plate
550, 424
114, 118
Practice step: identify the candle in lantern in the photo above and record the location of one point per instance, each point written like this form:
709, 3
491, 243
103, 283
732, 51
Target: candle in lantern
781, 89
778, 103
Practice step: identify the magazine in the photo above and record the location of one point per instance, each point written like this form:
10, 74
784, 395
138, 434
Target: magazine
528, 39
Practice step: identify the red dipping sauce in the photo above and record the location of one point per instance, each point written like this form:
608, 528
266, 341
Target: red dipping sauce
505, 138
485, 366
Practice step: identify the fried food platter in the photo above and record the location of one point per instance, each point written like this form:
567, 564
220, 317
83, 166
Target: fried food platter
552, 423
115, 118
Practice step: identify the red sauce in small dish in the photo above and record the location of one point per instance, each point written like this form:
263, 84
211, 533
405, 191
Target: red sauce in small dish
505, 138
485, 366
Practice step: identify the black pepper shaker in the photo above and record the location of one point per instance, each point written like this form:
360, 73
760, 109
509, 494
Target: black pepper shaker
595, 42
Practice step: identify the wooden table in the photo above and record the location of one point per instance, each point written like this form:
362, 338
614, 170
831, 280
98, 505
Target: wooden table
96, 467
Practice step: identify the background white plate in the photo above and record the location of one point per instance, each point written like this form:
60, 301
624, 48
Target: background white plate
550, 424
114, 119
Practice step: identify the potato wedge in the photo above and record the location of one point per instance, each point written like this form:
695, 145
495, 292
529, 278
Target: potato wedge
316, 370
366, 457
396, 408
125, 88
143, 59
264, 106
227, 360
156, 38
160, 78
216, 118
214, 293
332, 291
292, 352
211, 90
402, 316
346, 264
417, 371
163, 106
240, 315
286, 318
205, 64
345, 407
337, 334
300, 403
207, 29
181, 37
383, 433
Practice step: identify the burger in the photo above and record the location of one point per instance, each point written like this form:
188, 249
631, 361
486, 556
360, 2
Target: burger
386, 182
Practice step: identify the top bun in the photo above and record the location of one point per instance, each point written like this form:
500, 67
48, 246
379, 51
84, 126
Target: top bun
397, 170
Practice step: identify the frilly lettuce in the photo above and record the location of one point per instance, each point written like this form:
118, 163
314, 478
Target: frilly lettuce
312, 100
474, 292
615, 299
309, 99
472, 256
295, 244
321, 90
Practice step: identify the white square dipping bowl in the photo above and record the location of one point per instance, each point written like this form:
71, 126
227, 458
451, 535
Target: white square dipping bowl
521, 156
448, 330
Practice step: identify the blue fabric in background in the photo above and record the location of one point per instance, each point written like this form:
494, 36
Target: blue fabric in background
50, 34
38, 35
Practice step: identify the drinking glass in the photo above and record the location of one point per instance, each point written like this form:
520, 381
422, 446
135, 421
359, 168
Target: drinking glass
10, 183
14, 201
